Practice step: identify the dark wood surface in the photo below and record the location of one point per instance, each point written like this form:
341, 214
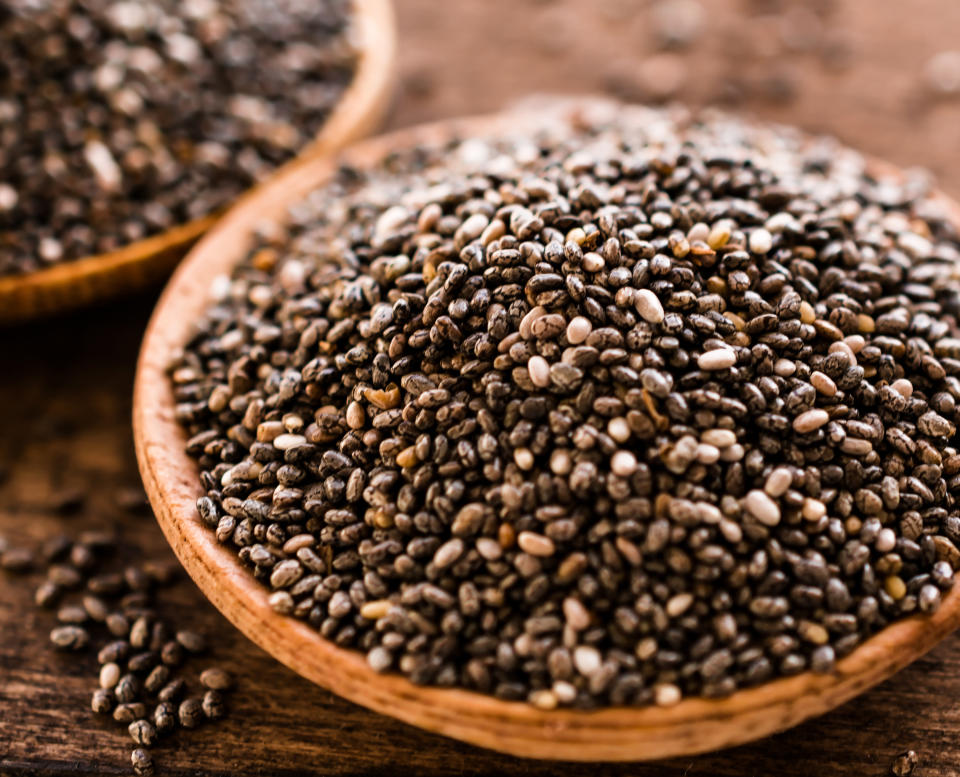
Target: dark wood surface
65, 401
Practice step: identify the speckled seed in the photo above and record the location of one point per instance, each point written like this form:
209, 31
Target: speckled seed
216, 679
578, 330
448, 553
157, 678
678, 604
117, 624
718, 359
164, 718
623, 464
47, 594
544, 699
109, 675
784, 367
539, 370
903, 387
762, 507
649, 306
523, 458
719, 438
535, 544
142, 762
102, 701
192, 641
526, 323
810, 421
356, 416
190, 712
813, 509
778, 482
586, 659
379, 659
140, 632
489, 548
895, 586
172, 691
886, 540
666, 695
129, 712
375, 609
617, 428
760, 241
142, 732
284, 442
823, 383
707, 454
577, 616
69, 638
904, 764
212, 705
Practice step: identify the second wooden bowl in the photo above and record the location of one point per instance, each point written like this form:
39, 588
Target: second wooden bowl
81, 282
622, 734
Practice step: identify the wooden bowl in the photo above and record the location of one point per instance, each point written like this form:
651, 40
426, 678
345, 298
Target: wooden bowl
613, 734
73, 284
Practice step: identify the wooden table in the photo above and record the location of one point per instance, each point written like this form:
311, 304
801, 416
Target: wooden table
65, 405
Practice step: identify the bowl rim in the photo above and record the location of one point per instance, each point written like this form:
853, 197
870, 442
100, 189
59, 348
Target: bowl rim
72, 284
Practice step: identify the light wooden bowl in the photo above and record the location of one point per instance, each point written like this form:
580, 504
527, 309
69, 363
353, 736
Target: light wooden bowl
614, 734
74, 284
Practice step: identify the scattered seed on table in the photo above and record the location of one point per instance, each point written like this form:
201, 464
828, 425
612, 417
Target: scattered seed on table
171, 653
17, 560
56, 548
96, 608
165, 717
108, 584
142, 762
192, 641
72, 613
128, 712
68, 501
103, 701
115, 651
142, 732
110, 675
158, 677
127, 689
216, 679
64, 576
47, 594
212, 705
82, 557
140, 632
190, 712
904, 764
172, 691
69, 638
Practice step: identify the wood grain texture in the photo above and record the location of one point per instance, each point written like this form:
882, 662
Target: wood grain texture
75, 284
172, 481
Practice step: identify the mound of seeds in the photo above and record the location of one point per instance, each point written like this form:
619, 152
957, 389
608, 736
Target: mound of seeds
122, 118
613, 409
